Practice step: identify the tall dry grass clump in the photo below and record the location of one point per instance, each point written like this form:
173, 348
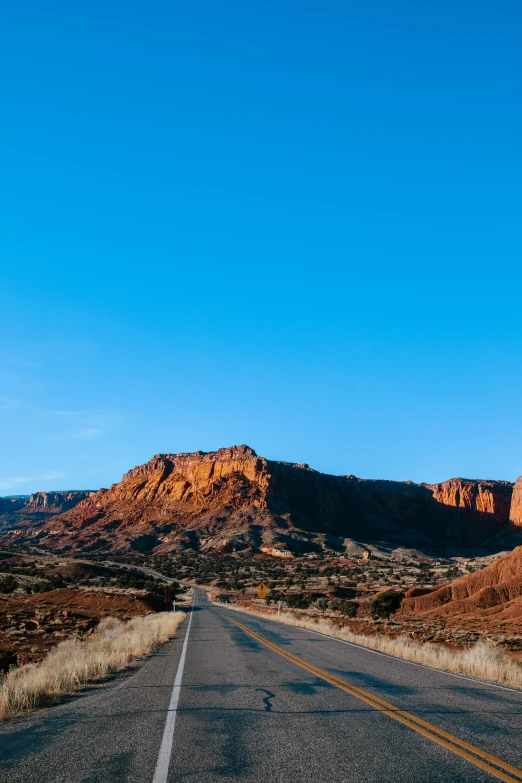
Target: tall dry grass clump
483, 660
73, 663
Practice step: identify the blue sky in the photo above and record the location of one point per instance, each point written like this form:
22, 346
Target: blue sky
295, 225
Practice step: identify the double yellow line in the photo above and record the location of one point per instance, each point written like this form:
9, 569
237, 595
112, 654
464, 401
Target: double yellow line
495, 766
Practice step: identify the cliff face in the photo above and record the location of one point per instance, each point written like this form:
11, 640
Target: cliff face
515, 515
54, 502
233, 497
497, 589
29, 510
482, 497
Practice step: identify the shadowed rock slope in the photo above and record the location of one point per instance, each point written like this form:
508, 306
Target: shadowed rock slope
233, 498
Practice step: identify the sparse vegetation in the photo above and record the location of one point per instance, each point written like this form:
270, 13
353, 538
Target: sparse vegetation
8, 584
298, 601
348, 608
386, 604
74, 663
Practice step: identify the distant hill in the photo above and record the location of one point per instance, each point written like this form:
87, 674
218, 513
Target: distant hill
234, 499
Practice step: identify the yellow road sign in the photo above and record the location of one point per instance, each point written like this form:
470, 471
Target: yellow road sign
262, 590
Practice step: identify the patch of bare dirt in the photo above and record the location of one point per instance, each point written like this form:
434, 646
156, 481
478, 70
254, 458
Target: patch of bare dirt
31, 624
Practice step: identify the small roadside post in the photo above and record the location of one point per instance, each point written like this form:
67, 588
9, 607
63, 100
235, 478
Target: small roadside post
279, 605
174, 606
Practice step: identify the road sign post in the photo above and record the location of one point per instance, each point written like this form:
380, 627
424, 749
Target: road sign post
279, 605
262, 590
174, 606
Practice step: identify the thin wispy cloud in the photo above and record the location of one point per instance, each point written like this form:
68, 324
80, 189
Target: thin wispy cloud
89, 424
9, 404
95, 417
89, 433
70, 414
16, 481
54, 475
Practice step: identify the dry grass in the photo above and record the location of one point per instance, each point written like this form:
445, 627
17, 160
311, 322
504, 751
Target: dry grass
73, 663
483, 660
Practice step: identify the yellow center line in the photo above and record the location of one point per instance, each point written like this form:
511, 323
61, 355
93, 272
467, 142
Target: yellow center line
471, 753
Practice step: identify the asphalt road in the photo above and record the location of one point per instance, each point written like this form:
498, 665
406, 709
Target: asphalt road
281, 705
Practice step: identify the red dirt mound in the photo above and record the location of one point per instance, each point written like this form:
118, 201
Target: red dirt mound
494, 590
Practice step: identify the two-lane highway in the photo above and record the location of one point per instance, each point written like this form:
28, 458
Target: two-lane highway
259, 701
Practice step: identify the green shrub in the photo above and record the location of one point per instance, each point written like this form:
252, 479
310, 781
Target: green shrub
386, 604
348, 608
298, 601
8, 584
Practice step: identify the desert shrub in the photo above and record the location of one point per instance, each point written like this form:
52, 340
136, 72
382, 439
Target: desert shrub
386, 604
453, 572
56, 581
298, 601
8, 584
348, 608
41, 587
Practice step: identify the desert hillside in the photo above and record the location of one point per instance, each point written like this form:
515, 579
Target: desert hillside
496, 590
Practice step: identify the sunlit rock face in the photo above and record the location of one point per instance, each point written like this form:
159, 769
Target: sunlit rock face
516, 504
233, 499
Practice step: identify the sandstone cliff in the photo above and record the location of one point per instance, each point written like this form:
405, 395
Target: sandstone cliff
515, 515
234, 498
39, 506
55, 502
497, 589
484, 497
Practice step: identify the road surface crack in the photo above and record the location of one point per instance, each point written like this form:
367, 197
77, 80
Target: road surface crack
266, 700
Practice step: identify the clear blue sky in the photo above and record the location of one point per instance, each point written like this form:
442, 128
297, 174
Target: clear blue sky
291, 224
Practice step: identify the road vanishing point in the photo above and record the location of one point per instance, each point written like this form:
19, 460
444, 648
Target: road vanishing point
236, 697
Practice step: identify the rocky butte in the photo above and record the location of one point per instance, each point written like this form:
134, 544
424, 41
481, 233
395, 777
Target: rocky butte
234, 499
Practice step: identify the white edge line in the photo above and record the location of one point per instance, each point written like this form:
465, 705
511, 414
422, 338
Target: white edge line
394, 657
162, 765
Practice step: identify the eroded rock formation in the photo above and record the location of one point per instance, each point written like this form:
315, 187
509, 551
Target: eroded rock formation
497, 589
515, 515
29, 510
483, 497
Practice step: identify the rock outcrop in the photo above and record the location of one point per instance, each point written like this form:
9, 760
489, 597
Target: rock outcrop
55, 502
484, 504
497, 589
232, 498
483, 497
515, 514
28, 510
